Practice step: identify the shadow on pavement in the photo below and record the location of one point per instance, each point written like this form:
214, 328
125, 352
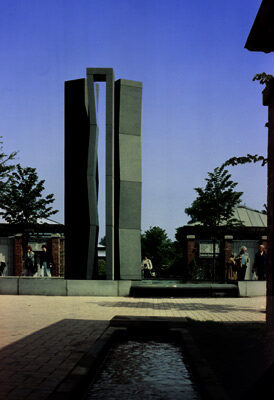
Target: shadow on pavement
217, 308
33, 366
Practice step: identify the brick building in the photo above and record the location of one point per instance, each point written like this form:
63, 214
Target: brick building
201, 245
15, 238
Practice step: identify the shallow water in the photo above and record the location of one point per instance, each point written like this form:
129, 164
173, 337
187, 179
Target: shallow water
144, 370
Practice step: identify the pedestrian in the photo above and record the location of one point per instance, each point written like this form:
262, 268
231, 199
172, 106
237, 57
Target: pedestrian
3, 268
259, 266
147, 266
231, 268
29, 262
46, 263
242, 261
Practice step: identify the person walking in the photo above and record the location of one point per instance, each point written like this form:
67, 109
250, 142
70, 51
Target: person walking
259, 266
242, 261
46, 262
29, 262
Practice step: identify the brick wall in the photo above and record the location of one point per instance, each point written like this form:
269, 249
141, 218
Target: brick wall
190, 254
227, 253
62, 257
55, 251
18, 256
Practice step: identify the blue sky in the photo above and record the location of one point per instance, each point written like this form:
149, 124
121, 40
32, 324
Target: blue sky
200, 106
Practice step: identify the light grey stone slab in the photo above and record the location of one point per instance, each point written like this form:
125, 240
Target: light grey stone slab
124, 288
242, 288
42, 286
130, 110
127, 82
252, 288
130, 158
92, 288
130, 254
255, 288
9, 284
130, 205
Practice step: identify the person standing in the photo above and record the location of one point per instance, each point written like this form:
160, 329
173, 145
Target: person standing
242, 261
231, 273
260, 263
3, 268
147, 265
29, 262
46, 263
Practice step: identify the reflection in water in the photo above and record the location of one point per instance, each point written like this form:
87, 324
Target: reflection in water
144, 370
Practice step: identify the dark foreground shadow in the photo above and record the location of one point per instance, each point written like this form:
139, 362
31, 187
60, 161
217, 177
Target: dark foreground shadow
241, 356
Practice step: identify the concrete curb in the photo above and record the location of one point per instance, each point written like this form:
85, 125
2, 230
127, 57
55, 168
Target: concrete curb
57, 286
252, 288
74, 386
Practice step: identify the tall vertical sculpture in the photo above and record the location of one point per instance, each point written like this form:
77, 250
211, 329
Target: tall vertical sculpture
123, 176
128, 100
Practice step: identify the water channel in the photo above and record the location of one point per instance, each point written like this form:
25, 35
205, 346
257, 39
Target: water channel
138, 369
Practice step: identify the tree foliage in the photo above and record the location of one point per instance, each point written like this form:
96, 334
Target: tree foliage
157, 246
5, 168
215, 203
263, 78
103, 241
22, 202
245, 160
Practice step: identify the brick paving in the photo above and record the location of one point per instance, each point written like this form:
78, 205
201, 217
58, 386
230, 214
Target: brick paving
42, 338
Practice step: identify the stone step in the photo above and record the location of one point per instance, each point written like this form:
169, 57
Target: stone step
184, 290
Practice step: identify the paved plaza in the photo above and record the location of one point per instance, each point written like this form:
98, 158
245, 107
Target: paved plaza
42, 338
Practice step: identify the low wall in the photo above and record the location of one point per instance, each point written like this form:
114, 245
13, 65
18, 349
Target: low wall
54, 286
252, 288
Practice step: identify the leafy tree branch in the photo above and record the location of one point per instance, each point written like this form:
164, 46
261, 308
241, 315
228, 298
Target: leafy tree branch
249, 158
23, 202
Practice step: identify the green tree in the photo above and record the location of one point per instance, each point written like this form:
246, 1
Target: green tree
23, 202
264, 79
157, 246
215, 204
5, 169
103, 241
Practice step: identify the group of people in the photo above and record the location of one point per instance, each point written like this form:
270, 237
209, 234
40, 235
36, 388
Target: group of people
238, 265
41, 265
